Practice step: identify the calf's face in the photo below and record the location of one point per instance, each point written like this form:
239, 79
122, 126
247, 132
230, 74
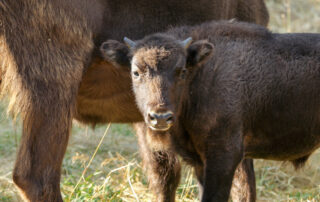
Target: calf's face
160, 69
157, 73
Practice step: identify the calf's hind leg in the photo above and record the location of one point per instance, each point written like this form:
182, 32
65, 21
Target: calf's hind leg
162, 166
244, 184
198, 170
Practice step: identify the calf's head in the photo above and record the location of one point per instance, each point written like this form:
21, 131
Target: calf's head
160, 68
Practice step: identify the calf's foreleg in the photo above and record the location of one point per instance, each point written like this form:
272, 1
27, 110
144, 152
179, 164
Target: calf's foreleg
223, 154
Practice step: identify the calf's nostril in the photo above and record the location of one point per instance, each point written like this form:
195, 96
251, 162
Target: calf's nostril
151, 117
165, 119
170, 119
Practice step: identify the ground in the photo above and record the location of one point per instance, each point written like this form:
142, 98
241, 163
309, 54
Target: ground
115, 173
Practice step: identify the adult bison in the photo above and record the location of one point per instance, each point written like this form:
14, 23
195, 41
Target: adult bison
48, 49
238, 91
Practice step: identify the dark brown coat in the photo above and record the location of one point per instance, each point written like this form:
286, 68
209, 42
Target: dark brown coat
49, 47
238, 91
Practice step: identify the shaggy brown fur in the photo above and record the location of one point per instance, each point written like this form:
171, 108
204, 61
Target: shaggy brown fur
237, 92
47, 45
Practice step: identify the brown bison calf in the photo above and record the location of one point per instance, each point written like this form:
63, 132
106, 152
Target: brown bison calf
232, 91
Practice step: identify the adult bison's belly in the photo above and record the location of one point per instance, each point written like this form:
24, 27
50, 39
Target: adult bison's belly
105, 95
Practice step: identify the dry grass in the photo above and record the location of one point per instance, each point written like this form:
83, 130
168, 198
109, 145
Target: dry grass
116, 174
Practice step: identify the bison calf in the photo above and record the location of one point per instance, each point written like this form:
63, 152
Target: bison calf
220, 92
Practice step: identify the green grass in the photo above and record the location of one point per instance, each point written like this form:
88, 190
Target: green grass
116, 172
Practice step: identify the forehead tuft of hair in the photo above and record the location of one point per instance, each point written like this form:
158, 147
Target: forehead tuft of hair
159, 40
155, 48
151, 56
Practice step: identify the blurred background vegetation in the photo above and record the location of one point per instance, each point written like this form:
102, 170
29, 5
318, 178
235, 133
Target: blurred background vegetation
294, 15
115, 173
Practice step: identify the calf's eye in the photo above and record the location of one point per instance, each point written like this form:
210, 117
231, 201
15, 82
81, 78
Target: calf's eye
183, 73
135, 74
178, 71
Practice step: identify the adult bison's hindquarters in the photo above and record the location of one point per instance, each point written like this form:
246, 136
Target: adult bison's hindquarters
232, 91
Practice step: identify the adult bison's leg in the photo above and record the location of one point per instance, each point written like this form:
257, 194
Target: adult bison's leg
46, 128
244, 184
43, 86
162, 166
45, 54
43, 144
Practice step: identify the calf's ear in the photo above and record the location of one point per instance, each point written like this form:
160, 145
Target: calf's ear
116, 53
199, 52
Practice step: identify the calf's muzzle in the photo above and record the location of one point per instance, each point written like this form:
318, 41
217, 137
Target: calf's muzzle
160, 120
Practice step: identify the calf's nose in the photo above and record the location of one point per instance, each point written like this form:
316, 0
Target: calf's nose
160, 121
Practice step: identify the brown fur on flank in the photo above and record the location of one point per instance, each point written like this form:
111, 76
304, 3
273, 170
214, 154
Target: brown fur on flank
237, 92
52, 71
